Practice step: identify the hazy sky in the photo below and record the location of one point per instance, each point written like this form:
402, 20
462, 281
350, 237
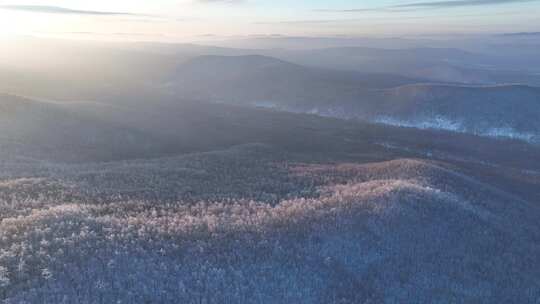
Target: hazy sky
186, 19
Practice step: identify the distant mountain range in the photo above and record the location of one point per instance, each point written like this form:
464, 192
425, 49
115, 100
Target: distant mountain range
524, 34
260, 79
436, 64
102, 71
500, 110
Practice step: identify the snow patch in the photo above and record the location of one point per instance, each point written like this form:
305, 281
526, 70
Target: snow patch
511, 133
443, 123
438, 122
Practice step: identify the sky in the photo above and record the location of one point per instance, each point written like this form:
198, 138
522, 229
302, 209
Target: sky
174, 20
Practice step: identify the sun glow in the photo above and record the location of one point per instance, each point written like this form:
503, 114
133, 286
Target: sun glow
20, 23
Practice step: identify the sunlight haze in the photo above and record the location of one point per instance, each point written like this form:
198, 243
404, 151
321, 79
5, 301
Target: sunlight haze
172, 20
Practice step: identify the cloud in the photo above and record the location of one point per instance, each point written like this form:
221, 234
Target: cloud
65, 11
458, 3
135, 34
301, 22
351, 10
219, 1
328, 21
428, 5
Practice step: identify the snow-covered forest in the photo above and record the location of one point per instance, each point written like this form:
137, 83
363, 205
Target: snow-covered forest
245, 225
